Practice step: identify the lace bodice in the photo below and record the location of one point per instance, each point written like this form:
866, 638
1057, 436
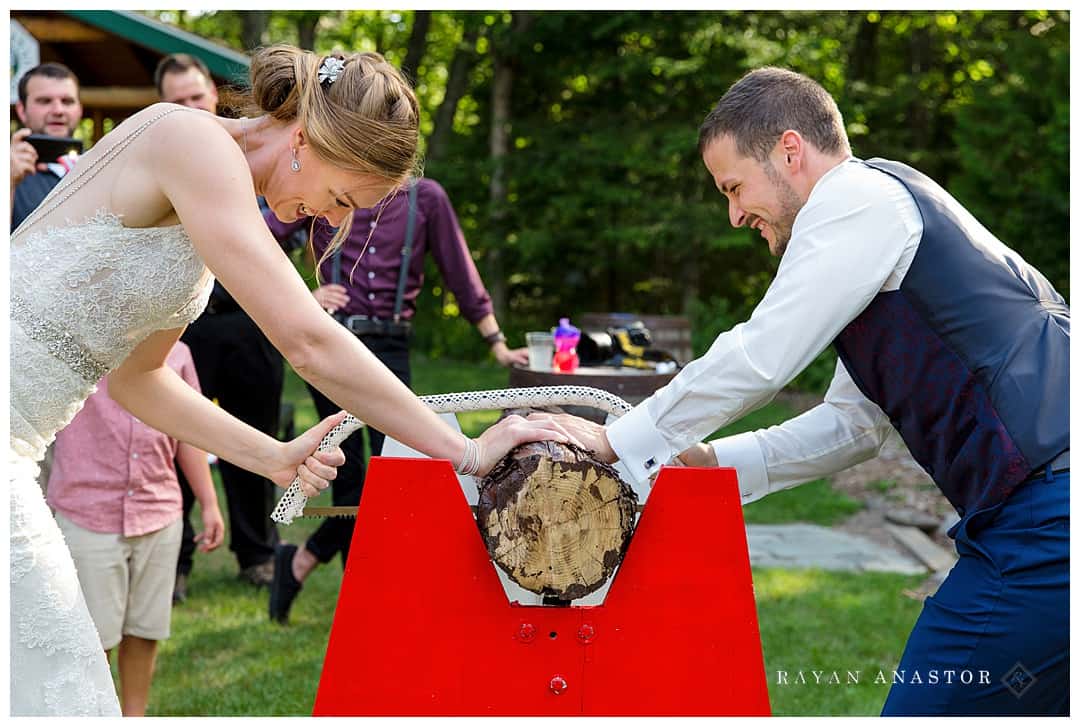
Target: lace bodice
83, 295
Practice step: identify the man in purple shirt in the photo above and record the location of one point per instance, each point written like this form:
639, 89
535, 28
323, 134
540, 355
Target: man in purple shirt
114, 490
365, 291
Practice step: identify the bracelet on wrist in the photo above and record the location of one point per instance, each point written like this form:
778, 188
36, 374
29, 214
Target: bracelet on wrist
496, 337
470, 459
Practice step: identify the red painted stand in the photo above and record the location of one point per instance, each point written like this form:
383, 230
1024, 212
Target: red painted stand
423, 626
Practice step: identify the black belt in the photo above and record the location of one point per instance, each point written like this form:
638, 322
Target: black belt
365, 326
1056, 465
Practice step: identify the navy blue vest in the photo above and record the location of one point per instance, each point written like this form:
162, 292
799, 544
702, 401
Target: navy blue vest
969, 358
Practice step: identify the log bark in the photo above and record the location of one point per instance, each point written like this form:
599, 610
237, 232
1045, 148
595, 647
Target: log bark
555, 519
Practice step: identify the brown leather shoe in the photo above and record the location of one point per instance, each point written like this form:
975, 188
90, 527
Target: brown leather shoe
258, 575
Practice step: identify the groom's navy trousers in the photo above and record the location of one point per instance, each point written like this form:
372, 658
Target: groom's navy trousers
1000, 618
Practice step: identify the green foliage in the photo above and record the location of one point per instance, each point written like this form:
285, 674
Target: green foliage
1015, 171
818, 373
608, 205
708, 319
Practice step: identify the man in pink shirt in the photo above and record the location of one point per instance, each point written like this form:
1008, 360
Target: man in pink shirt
116, 498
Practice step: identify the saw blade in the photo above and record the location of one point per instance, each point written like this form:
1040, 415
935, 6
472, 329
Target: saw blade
329, 511
338, 511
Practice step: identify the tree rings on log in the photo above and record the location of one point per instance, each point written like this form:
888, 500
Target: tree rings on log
555, 519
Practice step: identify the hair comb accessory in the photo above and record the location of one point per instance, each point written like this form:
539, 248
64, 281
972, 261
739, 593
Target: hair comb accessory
330, 69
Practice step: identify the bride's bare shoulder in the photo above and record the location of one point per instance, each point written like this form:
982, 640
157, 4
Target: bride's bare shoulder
177, 146
173, 119
162, 114
189, 134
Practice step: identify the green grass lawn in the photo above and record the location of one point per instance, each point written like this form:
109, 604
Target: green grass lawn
225, 657
831, 621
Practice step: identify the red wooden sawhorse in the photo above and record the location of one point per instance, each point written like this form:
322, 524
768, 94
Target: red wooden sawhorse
423, 626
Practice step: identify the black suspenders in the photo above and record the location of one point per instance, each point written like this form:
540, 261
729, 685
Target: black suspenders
406, 255
406, 251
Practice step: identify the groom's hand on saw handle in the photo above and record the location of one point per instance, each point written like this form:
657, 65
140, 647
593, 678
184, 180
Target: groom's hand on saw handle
300, 457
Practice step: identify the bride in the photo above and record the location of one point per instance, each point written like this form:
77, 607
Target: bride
118, 259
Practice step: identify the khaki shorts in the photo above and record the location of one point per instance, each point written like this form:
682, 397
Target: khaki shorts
127, 582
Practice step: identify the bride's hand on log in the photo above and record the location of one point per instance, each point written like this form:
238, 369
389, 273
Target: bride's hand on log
513, 430
591, 435
299, 457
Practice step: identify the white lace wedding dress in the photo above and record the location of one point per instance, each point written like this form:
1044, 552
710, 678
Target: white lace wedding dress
83, 294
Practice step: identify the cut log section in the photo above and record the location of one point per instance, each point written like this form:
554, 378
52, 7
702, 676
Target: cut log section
555, 519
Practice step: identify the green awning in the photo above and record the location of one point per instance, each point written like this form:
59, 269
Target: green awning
165, 39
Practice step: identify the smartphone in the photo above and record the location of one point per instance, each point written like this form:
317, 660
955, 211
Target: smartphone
49, 148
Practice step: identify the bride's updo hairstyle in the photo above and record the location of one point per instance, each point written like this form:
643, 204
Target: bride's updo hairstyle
365, 121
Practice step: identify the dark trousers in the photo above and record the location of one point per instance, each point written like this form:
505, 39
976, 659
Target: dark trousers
334, 534
240, 368
1000, 620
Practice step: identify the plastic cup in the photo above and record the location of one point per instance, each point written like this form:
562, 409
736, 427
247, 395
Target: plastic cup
541, 345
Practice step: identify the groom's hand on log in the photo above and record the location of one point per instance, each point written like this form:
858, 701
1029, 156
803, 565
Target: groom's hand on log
592, 436
300, 457
513, 430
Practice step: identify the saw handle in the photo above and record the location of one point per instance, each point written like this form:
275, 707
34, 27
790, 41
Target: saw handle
292, 502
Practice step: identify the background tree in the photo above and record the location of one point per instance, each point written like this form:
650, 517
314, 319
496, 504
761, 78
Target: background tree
253, 24
417, 42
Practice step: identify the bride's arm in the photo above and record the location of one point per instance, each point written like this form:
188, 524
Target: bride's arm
148, 388
208, 183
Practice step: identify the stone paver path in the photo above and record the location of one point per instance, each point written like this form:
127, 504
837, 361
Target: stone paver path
801, 545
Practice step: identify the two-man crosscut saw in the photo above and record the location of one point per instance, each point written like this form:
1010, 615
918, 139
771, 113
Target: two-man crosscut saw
294, 503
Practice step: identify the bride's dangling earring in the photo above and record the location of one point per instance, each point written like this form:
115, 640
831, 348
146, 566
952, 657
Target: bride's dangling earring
295, 162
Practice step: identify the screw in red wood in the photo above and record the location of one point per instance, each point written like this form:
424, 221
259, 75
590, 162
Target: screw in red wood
557, 685
526, 632
586, 633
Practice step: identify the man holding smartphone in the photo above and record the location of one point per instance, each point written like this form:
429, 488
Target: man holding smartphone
48, 104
